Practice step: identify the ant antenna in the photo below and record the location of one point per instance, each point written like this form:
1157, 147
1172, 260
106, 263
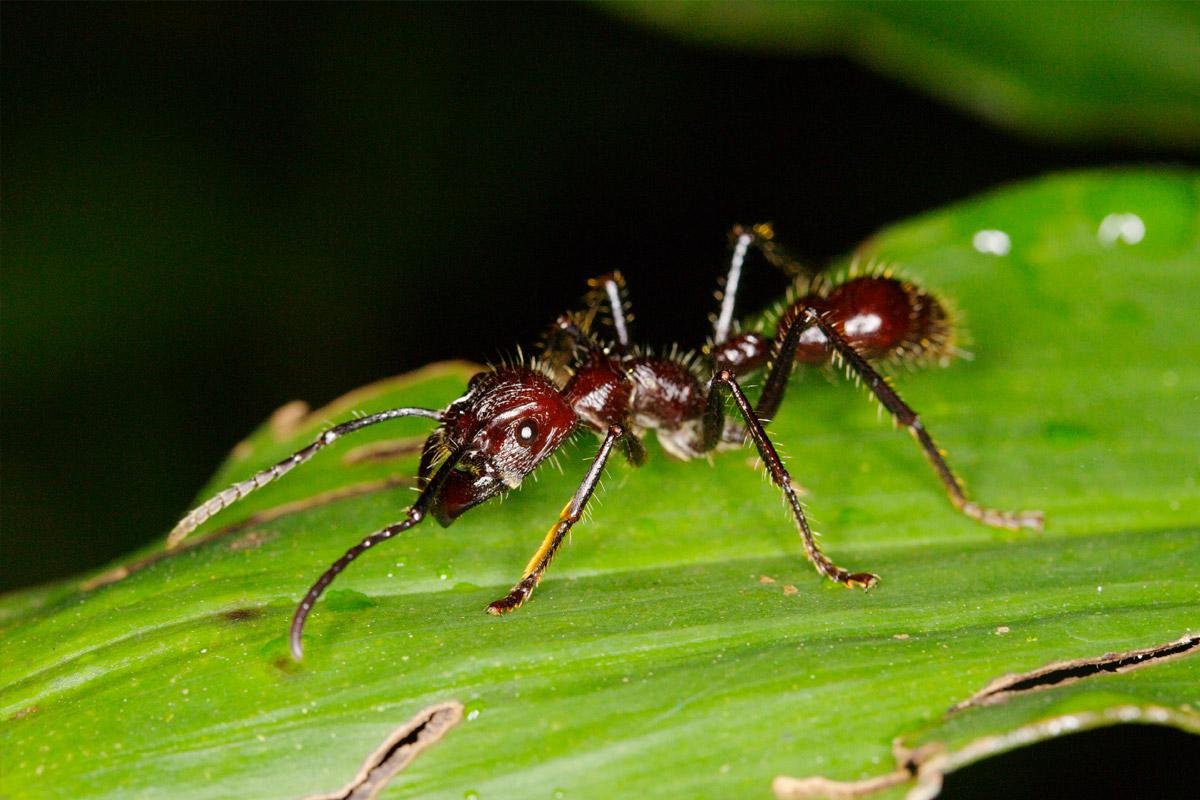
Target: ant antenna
196, 517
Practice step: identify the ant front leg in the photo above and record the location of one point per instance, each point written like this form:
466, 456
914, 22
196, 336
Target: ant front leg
713, 423
569, 516
906, 416
416, 513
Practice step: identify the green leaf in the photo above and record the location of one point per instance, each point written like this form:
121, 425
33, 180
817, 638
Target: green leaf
1095, 72
667, 653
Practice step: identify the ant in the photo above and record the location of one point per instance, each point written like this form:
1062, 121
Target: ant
512, 417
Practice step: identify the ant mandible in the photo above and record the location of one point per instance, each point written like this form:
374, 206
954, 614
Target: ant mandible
513, 417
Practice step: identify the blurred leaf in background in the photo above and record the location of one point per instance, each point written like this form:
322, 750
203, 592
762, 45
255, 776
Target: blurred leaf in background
1082, 72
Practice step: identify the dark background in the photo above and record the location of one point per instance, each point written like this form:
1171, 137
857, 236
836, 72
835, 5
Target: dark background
209, 210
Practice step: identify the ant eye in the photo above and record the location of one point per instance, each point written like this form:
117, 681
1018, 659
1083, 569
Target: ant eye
527, 431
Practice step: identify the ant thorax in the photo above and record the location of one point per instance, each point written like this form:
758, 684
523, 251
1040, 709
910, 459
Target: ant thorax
599, 391
616, 385
669, 398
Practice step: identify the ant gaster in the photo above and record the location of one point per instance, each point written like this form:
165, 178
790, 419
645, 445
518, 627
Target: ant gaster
512, 418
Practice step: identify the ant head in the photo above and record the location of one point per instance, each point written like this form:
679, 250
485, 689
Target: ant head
506, 424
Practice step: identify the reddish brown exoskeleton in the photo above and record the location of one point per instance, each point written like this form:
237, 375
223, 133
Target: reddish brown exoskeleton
512, 418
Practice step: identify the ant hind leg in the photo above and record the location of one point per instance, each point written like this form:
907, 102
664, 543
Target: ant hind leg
906, 416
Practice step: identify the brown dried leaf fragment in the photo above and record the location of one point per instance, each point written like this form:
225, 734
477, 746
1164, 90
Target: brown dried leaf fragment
348, 402
787, 788
386, 450
287, 420
324, 498
27, 711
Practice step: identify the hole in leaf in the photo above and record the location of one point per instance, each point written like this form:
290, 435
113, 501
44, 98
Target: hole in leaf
397, 752
1062, 672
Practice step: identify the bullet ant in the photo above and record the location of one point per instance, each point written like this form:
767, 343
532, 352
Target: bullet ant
513, 417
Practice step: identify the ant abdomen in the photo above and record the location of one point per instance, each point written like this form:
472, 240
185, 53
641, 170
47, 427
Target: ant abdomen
883, 317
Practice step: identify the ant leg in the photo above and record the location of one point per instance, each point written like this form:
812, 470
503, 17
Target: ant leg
781, 478
613, 287
632, 447
905, 415
435, 447
605, 290
568, 517
742, 239
196, 517
745, 352
416, 513
781, 361
573, 330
